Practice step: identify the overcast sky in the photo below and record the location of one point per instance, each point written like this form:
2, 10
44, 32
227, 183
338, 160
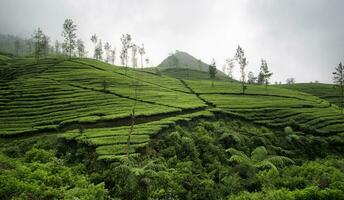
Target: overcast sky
303, 39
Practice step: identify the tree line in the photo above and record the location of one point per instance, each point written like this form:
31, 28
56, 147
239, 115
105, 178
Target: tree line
265, 74
39, 46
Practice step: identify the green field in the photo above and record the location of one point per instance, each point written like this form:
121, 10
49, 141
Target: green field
325, 91
182, 127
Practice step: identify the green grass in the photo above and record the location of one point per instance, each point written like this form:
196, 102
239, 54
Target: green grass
55, 94
325, 91
112, 142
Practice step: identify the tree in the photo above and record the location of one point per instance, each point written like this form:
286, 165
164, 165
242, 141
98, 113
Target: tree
41, 42
259, 159
69, 34
113, 56
265, 73
45, 45
98, 51
230, 66
57, 47
260, 78
80, 48
147, 62
94, 39
241, 59
133, 55
17, 46
338, 78
251, 79
142, 52
290, 81
107, 48
126, 43
212, 72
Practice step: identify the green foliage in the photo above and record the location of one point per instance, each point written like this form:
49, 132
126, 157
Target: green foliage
259, 159
39, 174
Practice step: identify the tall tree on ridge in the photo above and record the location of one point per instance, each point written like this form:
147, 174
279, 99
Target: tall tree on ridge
230, 66
338, 78
265, 73
107, 48
113, 55
142, 51
80, 48
126, 43
212, 71
147, 62
240, 57
69, 34
57, 47
99, 50
134, 55
40, 43
94, 39
251, 79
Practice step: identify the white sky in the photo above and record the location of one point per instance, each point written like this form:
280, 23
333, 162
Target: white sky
298, 38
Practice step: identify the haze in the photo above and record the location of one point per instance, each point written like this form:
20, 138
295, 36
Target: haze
298, 38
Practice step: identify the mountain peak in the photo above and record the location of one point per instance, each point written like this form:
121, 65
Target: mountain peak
181, 59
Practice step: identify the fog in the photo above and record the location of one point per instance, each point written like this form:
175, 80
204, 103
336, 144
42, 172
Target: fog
298, 38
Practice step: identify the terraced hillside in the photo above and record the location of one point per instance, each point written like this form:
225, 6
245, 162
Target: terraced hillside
91, 102
325, 91
274, 107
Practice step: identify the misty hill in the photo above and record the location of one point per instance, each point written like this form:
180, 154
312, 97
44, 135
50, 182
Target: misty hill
184, 66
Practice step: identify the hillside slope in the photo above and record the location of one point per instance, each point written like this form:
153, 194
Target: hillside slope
184, 66
91, 102
64, 133
325, 91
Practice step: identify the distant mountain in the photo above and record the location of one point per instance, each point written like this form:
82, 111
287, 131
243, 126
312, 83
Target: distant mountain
184, 65
182, 59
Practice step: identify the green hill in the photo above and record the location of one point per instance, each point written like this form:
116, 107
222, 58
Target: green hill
65, 123
325, 91
182, 65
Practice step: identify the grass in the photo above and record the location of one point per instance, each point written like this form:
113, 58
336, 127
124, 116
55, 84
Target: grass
325, 91
112, 142
54, 92
63, 95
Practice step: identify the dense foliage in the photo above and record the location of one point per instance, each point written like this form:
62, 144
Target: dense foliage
30, 169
